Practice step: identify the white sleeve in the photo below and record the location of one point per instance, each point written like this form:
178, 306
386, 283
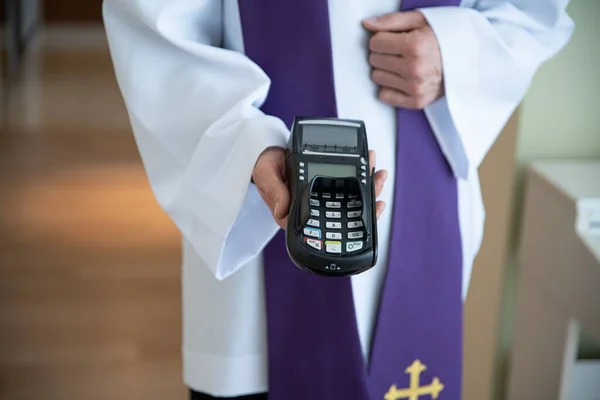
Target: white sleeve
490, 50
194, 111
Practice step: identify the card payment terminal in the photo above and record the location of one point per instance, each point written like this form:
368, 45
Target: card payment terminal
332, 224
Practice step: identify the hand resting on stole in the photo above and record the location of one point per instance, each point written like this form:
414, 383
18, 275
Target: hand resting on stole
406, 60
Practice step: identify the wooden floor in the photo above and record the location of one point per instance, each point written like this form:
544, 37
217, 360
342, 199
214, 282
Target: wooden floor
89, 265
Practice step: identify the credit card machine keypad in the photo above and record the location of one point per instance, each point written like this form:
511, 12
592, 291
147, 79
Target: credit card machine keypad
335, 225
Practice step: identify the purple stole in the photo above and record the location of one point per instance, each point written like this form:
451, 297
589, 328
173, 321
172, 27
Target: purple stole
314, 348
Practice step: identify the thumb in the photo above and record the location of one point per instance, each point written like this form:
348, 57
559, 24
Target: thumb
395, 22
270, 183
281, 200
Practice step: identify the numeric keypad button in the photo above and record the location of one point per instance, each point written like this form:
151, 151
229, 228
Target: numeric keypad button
355, 235
354, 214
315, 213
333, 225
333, 247
314, 243
313, 222
313, 232
333, 204
354, 204
333, 235
353, 246
314, 203
355, 224
333, 214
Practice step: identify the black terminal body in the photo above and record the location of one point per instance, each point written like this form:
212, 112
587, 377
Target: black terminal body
332, 224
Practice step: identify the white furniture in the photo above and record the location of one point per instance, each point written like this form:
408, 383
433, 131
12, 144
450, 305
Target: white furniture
559, 283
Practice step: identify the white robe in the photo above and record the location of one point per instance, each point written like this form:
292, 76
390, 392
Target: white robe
193, 98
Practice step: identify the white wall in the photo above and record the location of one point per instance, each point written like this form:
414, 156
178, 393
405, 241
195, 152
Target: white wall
559, 118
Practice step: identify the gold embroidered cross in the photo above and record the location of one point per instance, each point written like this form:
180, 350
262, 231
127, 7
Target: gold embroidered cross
414, 391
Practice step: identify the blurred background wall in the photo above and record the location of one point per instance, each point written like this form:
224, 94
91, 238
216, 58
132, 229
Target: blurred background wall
89, 265
558, 119
67, 11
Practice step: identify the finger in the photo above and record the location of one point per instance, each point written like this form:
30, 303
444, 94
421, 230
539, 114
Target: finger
277, 197
372, 160
390, 80
390, 43
413, 69
388, 62
282, 222
399, 99
270, 183
379, 208
395, 22
414, 44
410, 87
380, 178
408, 68
281, 203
